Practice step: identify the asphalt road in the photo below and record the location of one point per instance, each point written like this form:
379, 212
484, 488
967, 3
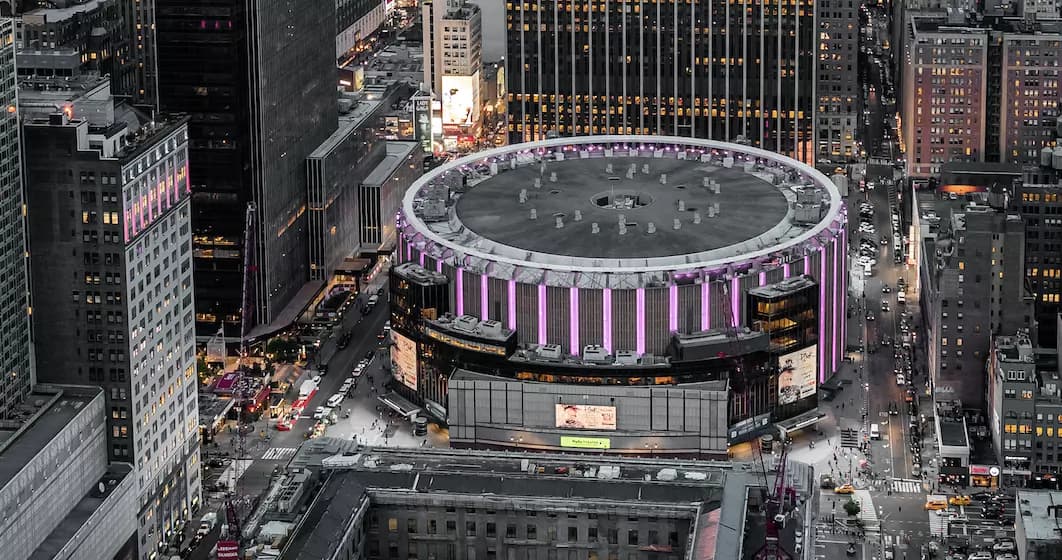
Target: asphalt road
276, 448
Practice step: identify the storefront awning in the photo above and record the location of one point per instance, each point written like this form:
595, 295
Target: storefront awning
809, 418
956, 471
399, 404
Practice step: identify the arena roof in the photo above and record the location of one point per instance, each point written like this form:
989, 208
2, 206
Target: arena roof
749, 207
729, 210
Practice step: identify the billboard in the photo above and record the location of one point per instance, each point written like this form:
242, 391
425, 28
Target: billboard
585, 442
585, 417
404, 360
460, 99
797, 374
228, 550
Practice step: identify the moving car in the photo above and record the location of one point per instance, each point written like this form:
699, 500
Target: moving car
826, 481
845, 489
901, 380
936, 505
959, 500
319, 413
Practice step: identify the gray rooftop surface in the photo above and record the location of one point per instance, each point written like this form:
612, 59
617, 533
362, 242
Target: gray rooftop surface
80, 514
748, 207
953, 433
1040, 522
18, 448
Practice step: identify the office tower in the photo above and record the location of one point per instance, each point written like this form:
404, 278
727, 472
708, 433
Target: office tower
111, 256
356, 21
453, 58
1038, 199
944, 99
53, 460
61, 40
837, 80
711, 70
971, 288
258, 79
15, 357
1029, 94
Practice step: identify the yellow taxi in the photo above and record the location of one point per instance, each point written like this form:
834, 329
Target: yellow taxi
959, 500
936, 505
844, 489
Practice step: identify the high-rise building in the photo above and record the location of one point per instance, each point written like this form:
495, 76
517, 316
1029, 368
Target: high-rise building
453, 59
945, 95
836, 83
259, 80
1029, 94
1038, 199
711, 70
971, 288
15, 357
356, 21
111, 256
66, 40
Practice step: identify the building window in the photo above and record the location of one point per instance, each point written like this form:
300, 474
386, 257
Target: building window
573, 534
632, 537
392, 525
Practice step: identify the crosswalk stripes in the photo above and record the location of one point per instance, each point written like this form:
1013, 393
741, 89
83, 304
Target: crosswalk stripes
278, 453
849, 438
906, 486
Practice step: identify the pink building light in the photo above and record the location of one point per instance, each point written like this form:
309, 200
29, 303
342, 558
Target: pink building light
639, 327
573, 321
606, 315
484, 284
541, 313
511, 306
672, 308
706, 305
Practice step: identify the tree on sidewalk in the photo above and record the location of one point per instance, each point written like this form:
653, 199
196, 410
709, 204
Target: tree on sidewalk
852, 508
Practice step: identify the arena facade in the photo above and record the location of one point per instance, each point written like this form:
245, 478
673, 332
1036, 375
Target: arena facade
633, 261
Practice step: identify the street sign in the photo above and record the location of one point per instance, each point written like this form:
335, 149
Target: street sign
228, 550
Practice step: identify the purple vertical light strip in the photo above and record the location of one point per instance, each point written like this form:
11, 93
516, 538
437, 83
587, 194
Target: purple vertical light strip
639, 327
785, 270
573, 321
807, 265
706, 304
409, 251
420, 258
459, 296
512, 304
541, 313
735, 301
822, 314
837, 302
763, 277
484, 285
438, 265
672, 308
606, 316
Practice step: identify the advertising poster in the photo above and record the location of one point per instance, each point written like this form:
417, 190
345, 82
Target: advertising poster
797, 375
460, 99
586, 417
404, 360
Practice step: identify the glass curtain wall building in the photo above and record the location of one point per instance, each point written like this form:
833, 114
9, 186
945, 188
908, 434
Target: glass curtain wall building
714, 70
16, 377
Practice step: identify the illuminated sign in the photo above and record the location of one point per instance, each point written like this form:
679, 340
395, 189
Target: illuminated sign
585, 417
228, 550
586, 442
404, 360
460, 99
797, 374
464, 344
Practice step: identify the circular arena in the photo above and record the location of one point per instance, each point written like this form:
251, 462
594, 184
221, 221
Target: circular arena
617, 244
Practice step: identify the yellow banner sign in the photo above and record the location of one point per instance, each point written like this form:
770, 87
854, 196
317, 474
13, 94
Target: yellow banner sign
586, 442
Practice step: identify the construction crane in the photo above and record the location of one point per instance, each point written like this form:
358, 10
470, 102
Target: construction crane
773, 510
232, 517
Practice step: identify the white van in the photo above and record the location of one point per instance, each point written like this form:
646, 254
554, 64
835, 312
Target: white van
875, 433
867, 270
335, 400
901, 298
